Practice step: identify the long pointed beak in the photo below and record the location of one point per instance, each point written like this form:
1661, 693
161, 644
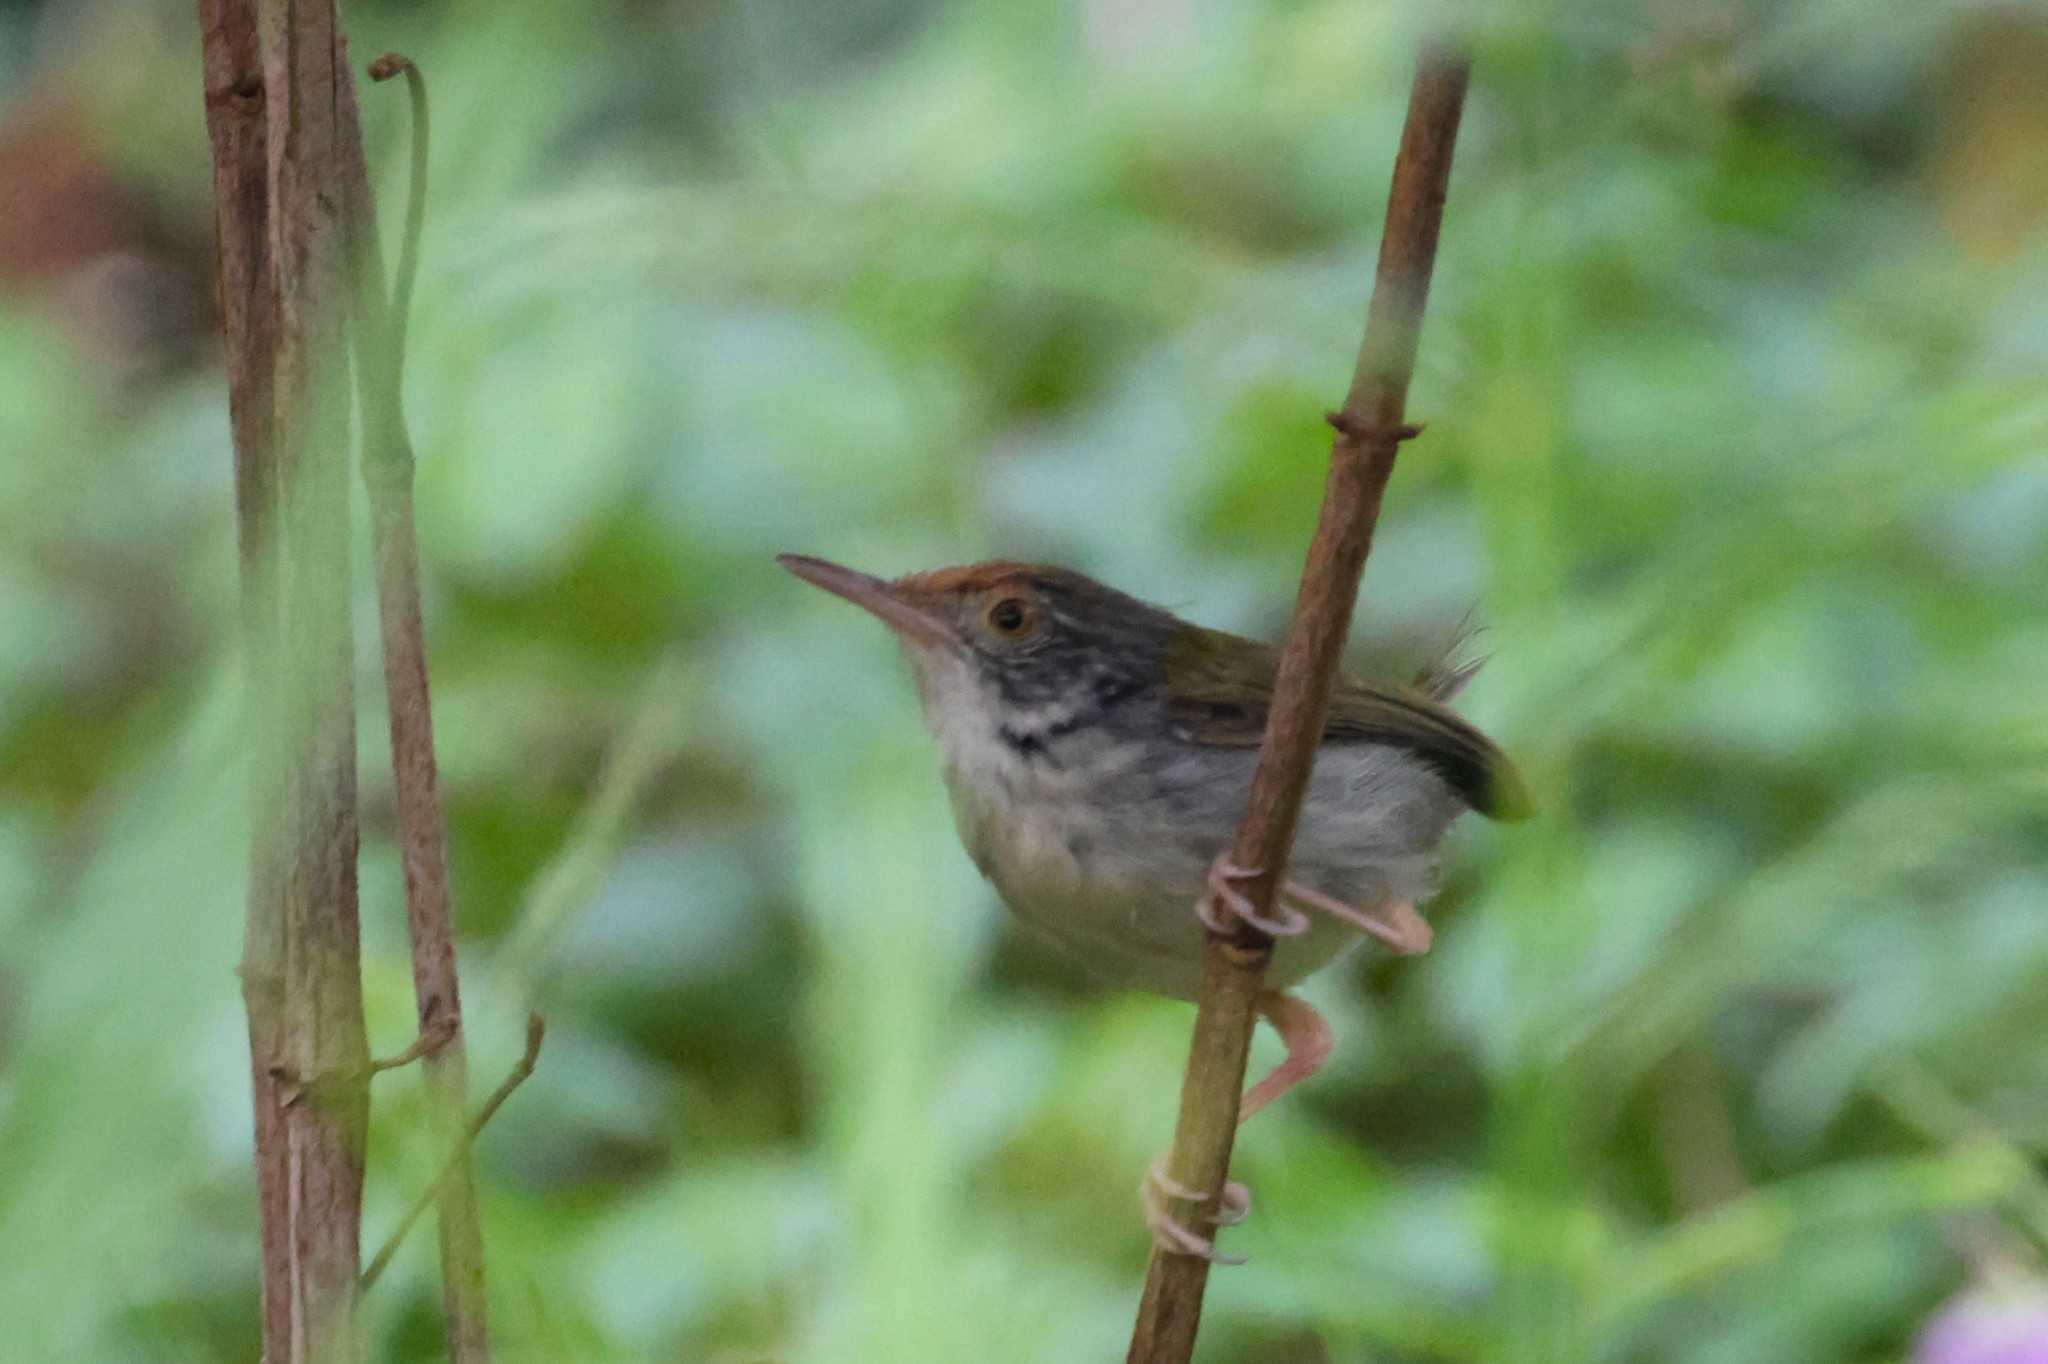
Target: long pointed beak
895, 608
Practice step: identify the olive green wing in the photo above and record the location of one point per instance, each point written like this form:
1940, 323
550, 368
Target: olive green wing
1220, 689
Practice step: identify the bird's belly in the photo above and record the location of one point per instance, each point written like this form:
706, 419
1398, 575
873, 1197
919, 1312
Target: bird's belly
1124, 911
1153, 941
1108, 867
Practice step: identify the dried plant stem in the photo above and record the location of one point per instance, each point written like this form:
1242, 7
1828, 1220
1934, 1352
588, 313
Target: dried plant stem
323, 1000
271, 68
378, 334
248, 313
1370, 429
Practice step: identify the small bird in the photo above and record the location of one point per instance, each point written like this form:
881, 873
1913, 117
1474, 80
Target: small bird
1099, 751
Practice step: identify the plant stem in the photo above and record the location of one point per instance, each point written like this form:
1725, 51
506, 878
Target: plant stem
1370, 429
323, 1002
248, 308
378, 333
271, 71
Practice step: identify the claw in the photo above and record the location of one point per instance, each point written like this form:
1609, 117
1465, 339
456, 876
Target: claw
1236, 1204
1221, 873
1157, 1177
1287, 922
1175, 1239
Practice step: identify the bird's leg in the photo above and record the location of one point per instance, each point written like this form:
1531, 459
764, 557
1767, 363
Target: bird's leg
1307, 1036
1308, 1040
1290, 922
1396, 924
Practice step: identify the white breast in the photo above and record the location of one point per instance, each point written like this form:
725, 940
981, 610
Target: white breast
1095, 876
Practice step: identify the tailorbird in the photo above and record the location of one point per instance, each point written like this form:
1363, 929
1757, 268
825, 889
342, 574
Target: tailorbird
1099, 753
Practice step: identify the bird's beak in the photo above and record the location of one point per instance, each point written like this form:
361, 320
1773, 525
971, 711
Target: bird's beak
897, 608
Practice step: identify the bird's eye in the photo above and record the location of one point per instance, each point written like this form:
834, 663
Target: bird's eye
1008, 616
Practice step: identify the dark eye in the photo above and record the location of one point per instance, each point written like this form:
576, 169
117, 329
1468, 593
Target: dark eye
1008, 616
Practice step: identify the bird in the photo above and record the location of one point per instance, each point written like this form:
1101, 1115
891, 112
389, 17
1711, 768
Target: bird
1098, 753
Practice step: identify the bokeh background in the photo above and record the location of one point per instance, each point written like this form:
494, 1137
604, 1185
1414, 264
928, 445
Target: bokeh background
1737, 456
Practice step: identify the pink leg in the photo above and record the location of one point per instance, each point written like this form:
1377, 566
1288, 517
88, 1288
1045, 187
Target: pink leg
1307, 1036
1308, 1040
1405, 932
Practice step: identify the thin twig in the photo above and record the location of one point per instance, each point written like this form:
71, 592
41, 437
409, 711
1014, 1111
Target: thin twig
536, 1030
383, 69
427, 1043
1370, 429
298, 1087
377, 335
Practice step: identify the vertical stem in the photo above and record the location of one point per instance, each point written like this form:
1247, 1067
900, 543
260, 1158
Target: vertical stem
388, 474
248, 312
1370, 429
325, 1050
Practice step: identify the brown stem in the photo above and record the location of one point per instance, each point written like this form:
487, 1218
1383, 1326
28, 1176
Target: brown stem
323, 1003
387, 473
248, 314
1370, 429
271, 69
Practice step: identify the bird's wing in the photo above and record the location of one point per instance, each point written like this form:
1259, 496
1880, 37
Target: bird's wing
1220, 689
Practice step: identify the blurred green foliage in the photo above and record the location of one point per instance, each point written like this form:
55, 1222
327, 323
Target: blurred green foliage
1737, 450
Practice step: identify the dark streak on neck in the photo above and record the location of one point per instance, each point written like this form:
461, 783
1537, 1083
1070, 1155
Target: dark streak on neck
1032, 746
1105, 694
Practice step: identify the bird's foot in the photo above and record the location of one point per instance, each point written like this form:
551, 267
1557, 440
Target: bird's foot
1234, 1206
1285, 922
1404, 932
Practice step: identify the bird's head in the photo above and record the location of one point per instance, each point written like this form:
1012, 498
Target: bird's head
1034, 650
